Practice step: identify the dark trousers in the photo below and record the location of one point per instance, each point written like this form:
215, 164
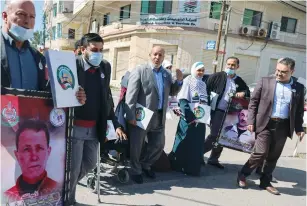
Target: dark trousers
268, 146
216, 123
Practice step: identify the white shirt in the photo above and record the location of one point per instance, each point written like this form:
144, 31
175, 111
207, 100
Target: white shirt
230, 88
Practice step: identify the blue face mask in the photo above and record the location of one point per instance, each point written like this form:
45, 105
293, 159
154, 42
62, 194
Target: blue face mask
230, 71
20, 33
95, 58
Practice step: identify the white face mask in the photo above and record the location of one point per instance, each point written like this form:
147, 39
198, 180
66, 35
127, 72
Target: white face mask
20, 33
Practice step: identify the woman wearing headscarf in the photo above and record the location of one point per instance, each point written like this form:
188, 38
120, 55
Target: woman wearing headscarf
187, 152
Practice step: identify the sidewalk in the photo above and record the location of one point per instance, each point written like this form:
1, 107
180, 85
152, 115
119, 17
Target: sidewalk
215, 187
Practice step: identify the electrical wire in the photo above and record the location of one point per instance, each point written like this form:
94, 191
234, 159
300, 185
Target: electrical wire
248, 46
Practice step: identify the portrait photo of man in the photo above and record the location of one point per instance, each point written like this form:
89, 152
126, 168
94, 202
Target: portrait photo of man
239, 131
32, 153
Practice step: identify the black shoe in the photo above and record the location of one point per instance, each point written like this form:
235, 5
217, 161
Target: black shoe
216, 164
137, 179
150, 174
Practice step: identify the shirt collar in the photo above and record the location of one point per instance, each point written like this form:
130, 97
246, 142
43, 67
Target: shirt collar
11, 41
86, 65
290, 83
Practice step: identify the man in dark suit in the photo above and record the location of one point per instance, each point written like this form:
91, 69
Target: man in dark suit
90, 121
275, 110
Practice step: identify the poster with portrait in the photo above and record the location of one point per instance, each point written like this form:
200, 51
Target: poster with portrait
234, 133
33, 151
62, 71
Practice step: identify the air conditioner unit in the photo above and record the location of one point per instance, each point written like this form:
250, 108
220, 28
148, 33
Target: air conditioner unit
261, 33
275, 30
245, 30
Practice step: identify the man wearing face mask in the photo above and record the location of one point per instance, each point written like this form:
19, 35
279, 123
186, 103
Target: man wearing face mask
22, 66
223, 84
90, 122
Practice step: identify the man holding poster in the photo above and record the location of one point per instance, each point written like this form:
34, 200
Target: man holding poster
90, 124
223, 84
22, 66
275, 111
149, 85
32, 153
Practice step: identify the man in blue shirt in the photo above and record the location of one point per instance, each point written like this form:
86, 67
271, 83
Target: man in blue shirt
149, 85
22, 66
275, 112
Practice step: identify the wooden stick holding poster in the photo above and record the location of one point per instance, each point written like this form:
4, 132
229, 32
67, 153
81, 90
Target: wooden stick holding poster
234, 133
29, 123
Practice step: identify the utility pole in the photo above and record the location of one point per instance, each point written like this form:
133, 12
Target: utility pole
225, 38
219, 35
90, 18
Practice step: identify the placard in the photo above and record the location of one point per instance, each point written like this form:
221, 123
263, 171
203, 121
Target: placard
234, 133
143, 116
63, 76
201, 112
110, 134
33, 151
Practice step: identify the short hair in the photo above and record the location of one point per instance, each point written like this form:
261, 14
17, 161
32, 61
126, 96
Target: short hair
35, 125
77, 44
288, 62
236, 58
90, 37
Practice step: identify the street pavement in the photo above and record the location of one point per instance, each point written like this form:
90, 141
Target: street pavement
215, 187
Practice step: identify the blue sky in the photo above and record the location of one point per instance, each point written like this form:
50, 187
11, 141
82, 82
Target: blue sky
39, 5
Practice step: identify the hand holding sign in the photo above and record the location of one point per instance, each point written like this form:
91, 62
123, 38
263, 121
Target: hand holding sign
142, 116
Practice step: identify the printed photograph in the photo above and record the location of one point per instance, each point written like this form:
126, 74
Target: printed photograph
234, 133
33, 150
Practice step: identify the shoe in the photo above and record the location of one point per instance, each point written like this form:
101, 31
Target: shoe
269, 188
241, 181
150, 174
137, 179
216, 164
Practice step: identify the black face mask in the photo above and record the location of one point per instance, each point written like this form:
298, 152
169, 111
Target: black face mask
79, 53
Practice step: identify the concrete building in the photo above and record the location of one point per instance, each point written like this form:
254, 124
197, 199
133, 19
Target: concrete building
63, 28
260, 32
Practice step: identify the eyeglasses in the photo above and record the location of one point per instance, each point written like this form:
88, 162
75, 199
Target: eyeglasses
281, 72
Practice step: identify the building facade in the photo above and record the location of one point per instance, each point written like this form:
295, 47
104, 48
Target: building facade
260, 32
63, 28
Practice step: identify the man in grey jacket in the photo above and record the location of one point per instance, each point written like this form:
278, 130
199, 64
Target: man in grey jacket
149, 85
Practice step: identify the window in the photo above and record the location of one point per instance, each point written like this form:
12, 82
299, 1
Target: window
53, 32
106, 19
125, 12
59, 30
156, 7
61, 7
55, 10
252, 18
71, 33
215, 10
288, 24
